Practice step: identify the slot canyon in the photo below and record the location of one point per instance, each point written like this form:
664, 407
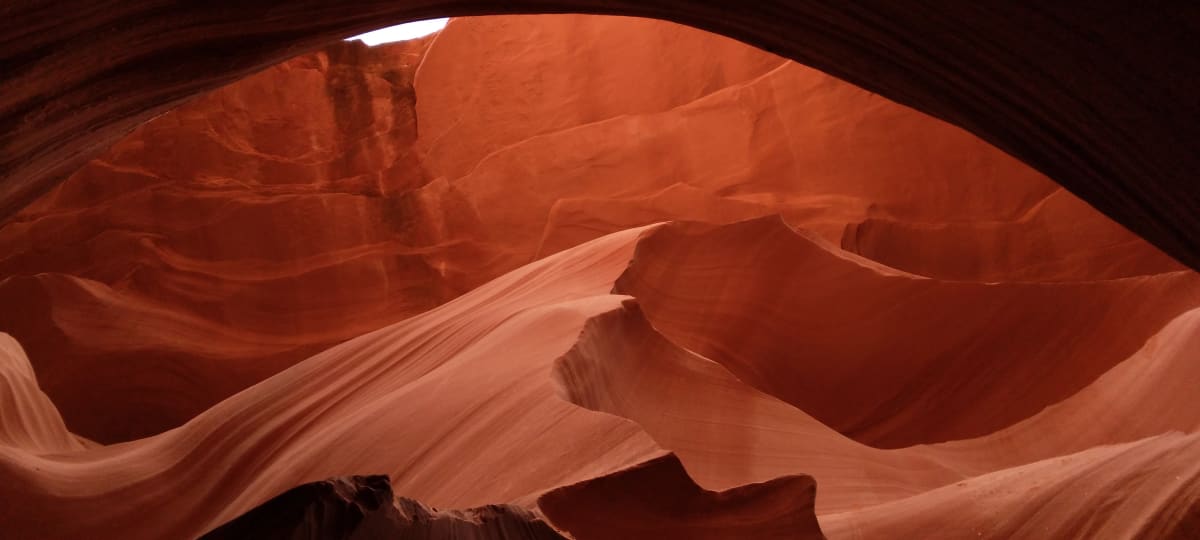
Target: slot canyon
599, 270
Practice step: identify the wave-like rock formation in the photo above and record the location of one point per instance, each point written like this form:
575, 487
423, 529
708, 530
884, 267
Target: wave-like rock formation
580, 276
738, 434
795, 317
381, 401
456, 405
1146, 489
349, 189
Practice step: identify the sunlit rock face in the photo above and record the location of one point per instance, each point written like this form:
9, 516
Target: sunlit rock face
445, 260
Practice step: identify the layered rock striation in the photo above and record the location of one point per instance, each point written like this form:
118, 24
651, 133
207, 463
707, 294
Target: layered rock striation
592, 277
352, 188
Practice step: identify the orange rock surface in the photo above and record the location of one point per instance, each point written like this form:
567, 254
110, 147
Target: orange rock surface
562, 262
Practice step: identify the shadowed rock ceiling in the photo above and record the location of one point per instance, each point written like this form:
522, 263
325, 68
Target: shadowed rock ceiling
1101, 98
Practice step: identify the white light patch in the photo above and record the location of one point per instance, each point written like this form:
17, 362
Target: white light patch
401, 32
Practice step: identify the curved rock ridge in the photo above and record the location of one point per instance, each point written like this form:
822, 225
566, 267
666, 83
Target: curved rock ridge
30, 420
737, 435
657, 499
1059, 239
456, 405
364, 507
1149, 489
485, 400
596, 277
149, 363
351, 188
796, 317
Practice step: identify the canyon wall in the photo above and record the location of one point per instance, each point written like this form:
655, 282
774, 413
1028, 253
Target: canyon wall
1099, 98
348, 189
558, 262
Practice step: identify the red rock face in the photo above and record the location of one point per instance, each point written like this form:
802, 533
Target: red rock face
446, 261
224, 241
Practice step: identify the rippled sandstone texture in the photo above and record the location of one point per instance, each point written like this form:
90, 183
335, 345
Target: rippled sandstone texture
1101, 98
345, 190
455, 244
224, 241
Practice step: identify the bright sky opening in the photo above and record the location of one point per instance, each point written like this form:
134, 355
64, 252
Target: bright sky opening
401, 32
